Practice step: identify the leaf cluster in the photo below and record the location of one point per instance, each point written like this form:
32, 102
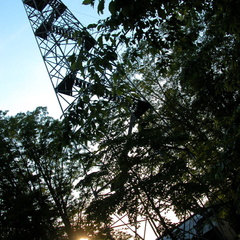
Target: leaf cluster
181, 56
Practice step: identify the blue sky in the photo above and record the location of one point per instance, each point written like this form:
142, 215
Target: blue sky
24, 81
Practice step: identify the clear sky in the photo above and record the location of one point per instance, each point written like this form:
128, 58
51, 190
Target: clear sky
24, 81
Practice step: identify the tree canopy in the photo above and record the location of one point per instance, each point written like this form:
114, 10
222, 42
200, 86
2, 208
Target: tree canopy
166, 139
182, 57
40, 168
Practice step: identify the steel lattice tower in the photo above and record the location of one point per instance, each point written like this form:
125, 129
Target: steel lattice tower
59, 36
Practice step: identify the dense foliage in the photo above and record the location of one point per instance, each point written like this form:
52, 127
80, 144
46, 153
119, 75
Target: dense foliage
110, 157
40, 167
183, 58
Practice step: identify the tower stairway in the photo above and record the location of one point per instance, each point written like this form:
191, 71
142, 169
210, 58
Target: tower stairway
59, 36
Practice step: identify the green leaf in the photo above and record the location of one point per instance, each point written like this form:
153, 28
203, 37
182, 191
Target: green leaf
101, 6
100, 41
88, 2
92, 25
112, 7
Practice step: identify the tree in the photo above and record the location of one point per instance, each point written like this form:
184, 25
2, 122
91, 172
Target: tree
182, 57
38, 172
41, 164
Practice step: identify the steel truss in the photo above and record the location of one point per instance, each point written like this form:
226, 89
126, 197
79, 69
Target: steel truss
59, 36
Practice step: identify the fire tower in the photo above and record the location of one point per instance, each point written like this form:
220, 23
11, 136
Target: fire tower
60, 36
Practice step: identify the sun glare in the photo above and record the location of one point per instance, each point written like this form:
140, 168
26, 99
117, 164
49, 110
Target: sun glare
83, 239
